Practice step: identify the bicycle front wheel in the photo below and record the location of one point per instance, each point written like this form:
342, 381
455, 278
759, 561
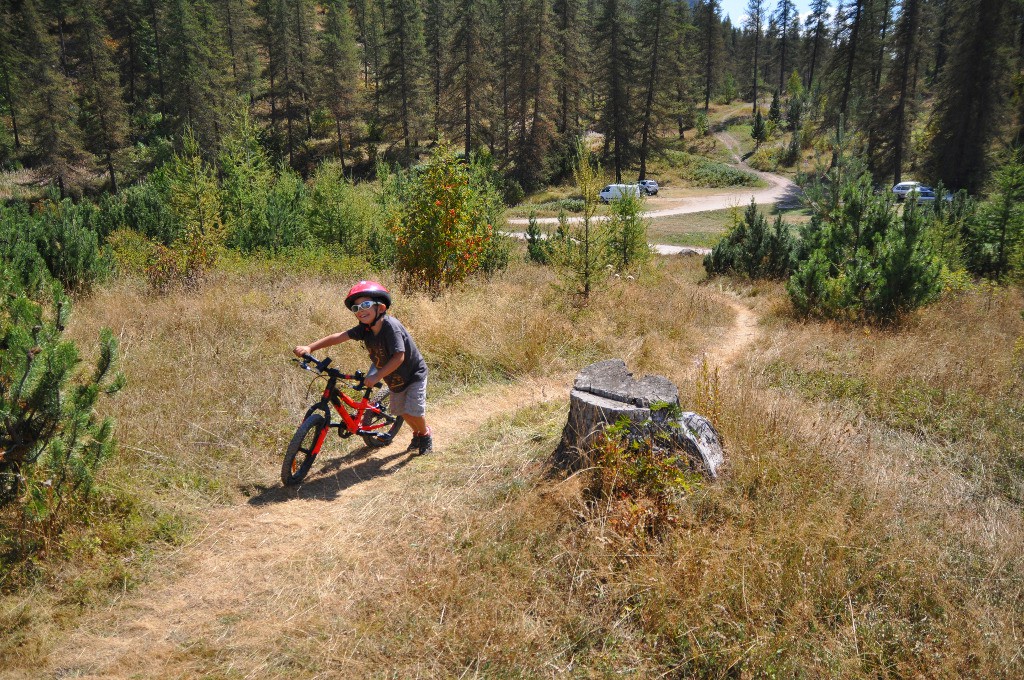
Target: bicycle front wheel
384, 435
302, 449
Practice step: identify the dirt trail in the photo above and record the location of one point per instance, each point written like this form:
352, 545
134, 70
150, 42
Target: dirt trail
744, 332
234, 591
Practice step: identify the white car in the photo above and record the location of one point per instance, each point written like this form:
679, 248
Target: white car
648, 186
613, 192
903, 188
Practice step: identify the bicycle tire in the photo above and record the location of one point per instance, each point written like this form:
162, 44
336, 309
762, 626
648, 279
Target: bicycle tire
303, 448
383, 401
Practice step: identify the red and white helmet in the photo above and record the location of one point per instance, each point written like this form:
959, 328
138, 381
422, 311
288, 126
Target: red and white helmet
368, 289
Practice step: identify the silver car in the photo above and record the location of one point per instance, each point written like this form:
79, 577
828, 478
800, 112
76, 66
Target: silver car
903, 188
648, 187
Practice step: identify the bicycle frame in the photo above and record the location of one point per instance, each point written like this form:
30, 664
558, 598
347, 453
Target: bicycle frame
351, 421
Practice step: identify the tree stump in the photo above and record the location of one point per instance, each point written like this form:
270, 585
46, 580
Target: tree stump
606, 392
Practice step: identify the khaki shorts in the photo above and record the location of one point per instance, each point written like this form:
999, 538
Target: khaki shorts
412, 401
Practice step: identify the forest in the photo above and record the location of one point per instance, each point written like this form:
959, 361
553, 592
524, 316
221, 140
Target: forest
94, 94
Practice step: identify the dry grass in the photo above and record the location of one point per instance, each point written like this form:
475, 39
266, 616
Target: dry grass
839, 544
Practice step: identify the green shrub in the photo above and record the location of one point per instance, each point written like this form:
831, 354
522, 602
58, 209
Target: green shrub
994, 237
700, 171
146, 209
765, 159
59, 242
23, 266
860, 259
51, 440
339, 212
753, 249
67, 241
538, 245
286, 215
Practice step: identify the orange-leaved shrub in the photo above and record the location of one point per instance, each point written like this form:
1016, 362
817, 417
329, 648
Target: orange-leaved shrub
445, 227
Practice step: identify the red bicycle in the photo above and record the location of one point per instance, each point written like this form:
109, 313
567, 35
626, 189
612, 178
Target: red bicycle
368, 418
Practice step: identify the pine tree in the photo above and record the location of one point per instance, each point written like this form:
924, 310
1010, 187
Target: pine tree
995, 237
53, 441
817, 19
570, 27
437, 29
755, 20
627, 245
655, 26
581, 252
237, 21
759, 131
534, 128
970, 94
905, 67
196, 96
56, 137
754, 249
403, 74
785, 13
9, 69
775, 110
614, 33
684, 69
105, 121
469, 67
338, 67
707, 18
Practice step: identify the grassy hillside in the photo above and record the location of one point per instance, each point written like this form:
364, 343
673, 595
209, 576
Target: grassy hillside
868, 524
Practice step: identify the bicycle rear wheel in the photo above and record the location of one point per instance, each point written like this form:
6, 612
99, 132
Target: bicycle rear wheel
302, 449
383, 436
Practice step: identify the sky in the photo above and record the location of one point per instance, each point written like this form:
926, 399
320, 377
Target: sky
737, 9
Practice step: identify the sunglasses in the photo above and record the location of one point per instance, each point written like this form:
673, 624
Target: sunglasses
365, 304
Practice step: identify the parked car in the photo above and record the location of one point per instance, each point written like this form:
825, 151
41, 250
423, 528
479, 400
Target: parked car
614, 192
924, 194
649, 187
903, 188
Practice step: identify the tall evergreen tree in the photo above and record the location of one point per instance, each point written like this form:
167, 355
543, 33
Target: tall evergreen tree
655, 26
755, 20
785, 12
338, 68
403, 74
9, 69
707, 18
437, 29
817, 23
237, 21
905, 67
104, 120
970, 94
535, 107
469, 66
570, 46
56, 138
613, 31
196, 94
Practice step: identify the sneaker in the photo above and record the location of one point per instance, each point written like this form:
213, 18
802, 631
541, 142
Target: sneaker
414, 445
426, 444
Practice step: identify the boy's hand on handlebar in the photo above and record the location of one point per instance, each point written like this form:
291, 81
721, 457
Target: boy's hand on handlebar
301, 351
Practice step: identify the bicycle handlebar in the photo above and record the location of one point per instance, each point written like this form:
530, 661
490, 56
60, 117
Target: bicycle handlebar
321, 367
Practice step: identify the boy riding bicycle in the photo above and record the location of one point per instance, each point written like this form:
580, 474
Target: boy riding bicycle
394, 355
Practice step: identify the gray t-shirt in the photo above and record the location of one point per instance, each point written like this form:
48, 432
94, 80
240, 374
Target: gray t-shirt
390, 340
